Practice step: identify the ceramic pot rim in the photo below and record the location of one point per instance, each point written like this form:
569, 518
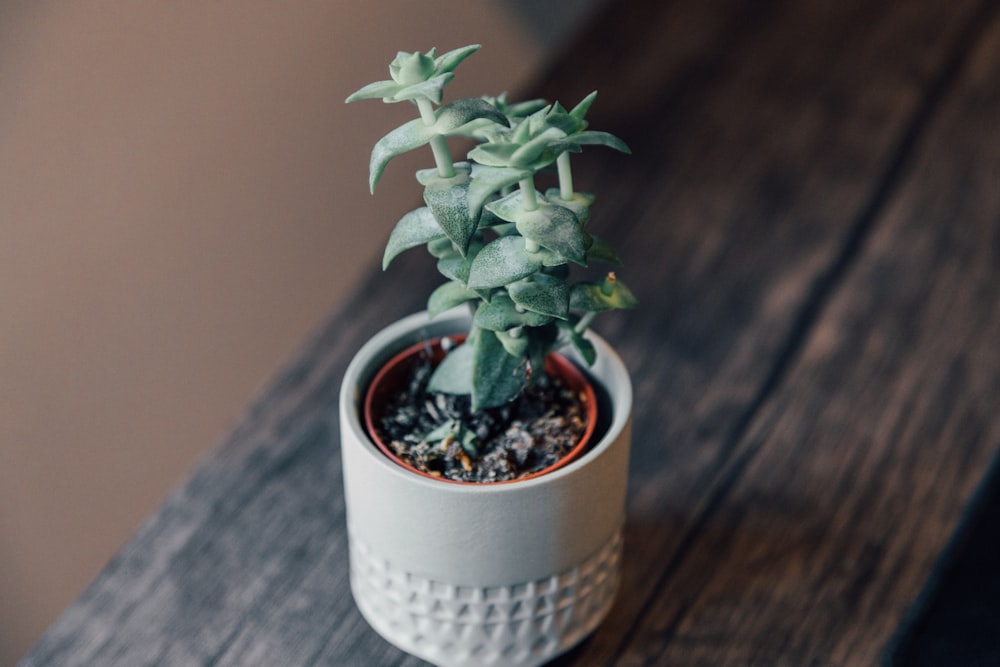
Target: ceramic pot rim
387, 342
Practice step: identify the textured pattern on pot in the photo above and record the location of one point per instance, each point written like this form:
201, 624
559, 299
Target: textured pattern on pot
517, 624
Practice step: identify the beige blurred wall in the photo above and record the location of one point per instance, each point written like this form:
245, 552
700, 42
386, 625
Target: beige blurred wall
182, 201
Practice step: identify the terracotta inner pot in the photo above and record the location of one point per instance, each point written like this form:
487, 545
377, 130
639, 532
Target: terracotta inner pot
396, 373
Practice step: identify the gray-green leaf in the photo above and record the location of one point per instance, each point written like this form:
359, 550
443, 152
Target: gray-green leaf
579, 204
445, 429
493, 154
502, 261
556, 228
448, 200
447, 62
414, 229
608, 294
431, 89
509, 206
501, 314
586, 349
454, 374
543, 294
455, 267
452, 116
448, 296
597, 138
375, 90
403, 139
534, 154
497, 377
516, 346
488, 180
601, 251
581, 109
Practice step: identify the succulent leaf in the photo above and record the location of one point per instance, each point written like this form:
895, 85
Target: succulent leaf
536, 123
517, 109
416, 228
502, 314
454, 374
600, 251
447, 296
582, 345
509, 206
409, 68
449, 61
442, 247
592, 138
468, 441
550, 259
499, 227
536, 153
571, 122
502, 261
607, 294
431, 89
580, 110
528, 146
445, 429
415, 76
405, 138
493, 154
487, 131
451, 117
454, 266
497, 377
543, 294
375, 90
418, 75
554, 228
516, 346
487, 181
580, 203
448, 200
563, 121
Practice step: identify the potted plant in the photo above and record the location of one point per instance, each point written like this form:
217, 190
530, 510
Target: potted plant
484, 473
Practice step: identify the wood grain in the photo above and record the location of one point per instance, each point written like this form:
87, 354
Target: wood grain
855, 471
810, 224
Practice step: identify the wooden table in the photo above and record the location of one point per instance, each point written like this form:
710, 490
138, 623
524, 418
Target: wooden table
811, 221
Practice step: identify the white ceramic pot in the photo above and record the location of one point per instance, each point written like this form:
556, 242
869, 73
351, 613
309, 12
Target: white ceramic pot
480, 574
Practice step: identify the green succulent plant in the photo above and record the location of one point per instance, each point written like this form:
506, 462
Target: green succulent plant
505, 248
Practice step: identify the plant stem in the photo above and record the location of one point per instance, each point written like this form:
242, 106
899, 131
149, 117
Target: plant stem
528, 199
529, 202
442, 157
565, 176
584, 322
439, 147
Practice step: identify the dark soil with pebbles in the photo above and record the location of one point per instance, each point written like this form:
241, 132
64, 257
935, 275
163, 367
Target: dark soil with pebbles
439, 434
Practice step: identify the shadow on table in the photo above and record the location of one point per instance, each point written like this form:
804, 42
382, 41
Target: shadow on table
957, 619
